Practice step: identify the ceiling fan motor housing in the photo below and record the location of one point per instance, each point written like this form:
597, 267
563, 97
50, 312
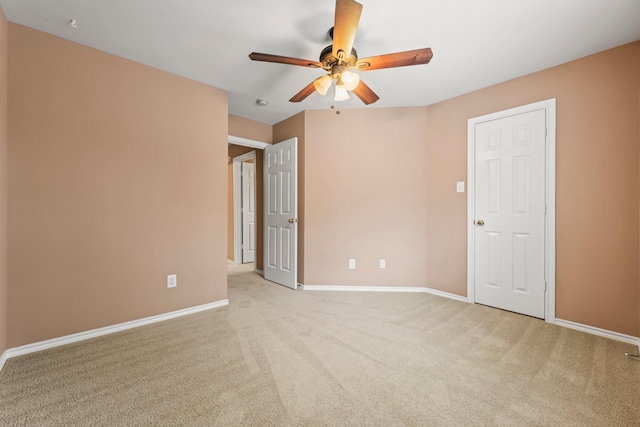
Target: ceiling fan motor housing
328, 59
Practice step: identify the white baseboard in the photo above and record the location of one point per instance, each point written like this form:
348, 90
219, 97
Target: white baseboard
81, 336
3, 359
600, 332
260, 272
446, 295
382, 289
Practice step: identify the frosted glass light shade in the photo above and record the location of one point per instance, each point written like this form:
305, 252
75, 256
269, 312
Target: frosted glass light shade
341, 93
322, 84
350, 80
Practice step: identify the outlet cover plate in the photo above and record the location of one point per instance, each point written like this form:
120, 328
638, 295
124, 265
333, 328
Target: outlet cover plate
172, 280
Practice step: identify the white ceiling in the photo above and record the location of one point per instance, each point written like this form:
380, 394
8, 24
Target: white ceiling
475, 43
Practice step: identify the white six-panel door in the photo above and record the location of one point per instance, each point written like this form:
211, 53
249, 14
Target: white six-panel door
510, 209
248, 212
281, 213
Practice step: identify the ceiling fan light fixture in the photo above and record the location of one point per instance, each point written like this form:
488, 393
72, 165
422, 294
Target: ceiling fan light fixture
350, 80
322, 84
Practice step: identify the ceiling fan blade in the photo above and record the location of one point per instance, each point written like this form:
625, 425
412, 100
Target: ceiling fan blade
302, 95
398, 59
345, 26
265, 57
365, 93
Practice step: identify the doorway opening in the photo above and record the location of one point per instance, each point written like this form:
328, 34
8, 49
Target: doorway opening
242, 153
273, 196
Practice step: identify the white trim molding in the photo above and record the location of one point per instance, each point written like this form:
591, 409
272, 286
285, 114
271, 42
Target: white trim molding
598, 331
549, 106
81, 336
382, 289
236, 140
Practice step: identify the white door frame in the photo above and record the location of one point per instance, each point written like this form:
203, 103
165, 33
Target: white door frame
237, 190
549, 106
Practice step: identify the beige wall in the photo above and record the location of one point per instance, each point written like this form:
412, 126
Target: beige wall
3, 182
597, 184
116, 179
295, 127
250, 129
230, 217
365, 196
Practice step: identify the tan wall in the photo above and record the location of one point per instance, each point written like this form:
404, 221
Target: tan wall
116, 179
230, 217
3, 182
250, 129
365, 196
597, 184
295, 127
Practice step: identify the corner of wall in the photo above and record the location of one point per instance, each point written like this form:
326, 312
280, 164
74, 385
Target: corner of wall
638, 88
3, 184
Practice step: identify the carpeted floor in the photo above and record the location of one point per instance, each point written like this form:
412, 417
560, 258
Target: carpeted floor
276, 356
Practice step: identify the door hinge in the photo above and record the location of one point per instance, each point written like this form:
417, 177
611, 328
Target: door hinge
545, 131
545, 209
545, 286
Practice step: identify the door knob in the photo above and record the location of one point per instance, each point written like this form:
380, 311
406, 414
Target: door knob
291, 220
480, 222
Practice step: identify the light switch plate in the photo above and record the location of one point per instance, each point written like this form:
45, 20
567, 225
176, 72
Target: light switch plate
460, 186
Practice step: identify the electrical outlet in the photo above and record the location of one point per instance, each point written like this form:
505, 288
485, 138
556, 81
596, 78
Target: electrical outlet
172, 280
383, 263
352, 264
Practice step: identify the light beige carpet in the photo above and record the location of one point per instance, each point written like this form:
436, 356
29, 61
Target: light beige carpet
276, 356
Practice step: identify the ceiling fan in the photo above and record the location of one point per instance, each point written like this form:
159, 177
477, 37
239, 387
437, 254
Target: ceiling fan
339, 59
